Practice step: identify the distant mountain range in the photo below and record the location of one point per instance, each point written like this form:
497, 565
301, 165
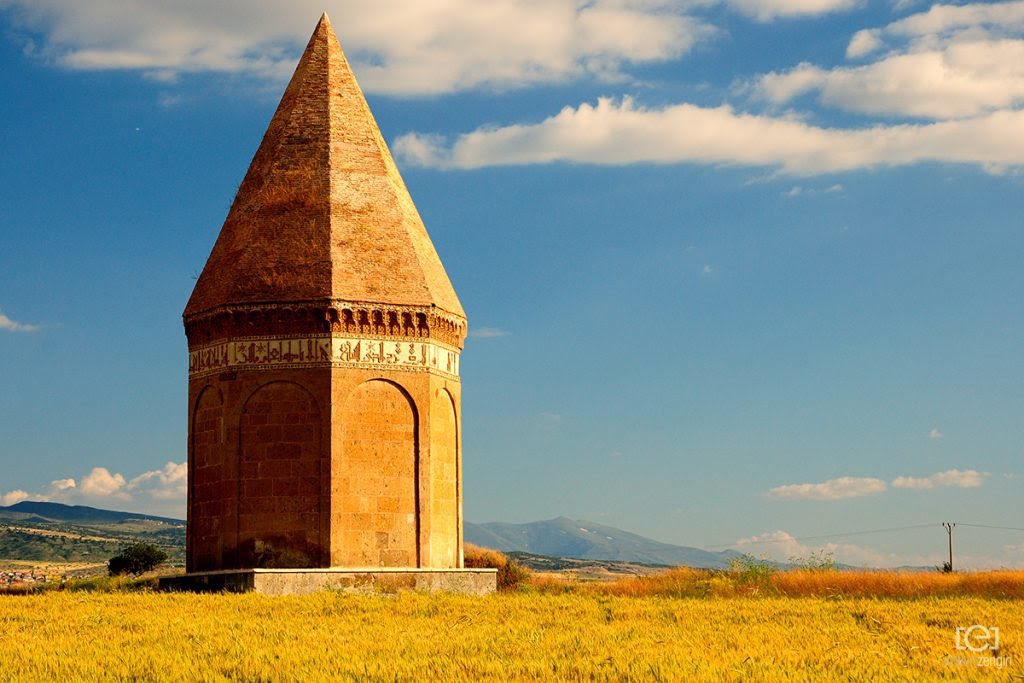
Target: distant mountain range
75, 513
564, 537
53, 532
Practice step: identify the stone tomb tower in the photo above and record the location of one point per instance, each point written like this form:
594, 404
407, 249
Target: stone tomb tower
324, 339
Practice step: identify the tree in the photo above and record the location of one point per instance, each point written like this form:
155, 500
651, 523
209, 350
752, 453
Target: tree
136, 559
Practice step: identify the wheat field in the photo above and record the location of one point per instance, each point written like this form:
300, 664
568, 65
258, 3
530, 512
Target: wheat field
511, 636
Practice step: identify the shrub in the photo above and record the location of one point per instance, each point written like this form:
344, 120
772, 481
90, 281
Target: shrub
136, 559
817, 561
752, 575
511, 574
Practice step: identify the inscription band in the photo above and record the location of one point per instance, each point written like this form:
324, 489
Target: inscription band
349, 352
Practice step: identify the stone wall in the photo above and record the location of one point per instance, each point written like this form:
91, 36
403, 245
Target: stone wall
321, 467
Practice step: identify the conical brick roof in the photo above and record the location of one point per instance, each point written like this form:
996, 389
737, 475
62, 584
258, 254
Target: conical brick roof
323, 213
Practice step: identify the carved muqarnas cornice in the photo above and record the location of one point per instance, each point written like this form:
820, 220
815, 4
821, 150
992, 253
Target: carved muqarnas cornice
338, 317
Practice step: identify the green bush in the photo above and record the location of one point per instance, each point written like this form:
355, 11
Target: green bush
751, 574
136, 559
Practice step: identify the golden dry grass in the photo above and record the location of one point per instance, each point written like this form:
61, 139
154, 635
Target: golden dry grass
895, 584
506, 636
688, 582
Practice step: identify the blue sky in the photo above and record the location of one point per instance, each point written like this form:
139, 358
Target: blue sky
739, 272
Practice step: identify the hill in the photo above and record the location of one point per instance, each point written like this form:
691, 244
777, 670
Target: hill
564, 537
76, 513
51, 532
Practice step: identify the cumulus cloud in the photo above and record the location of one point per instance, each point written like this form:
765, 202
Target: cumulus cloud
62, 484
782, 546
621, 132
948, 62
854, 487
935, 434
833, 489
100, 483
767, 10
863, 43
13, 497
962, 79
945, 19
962, 479
396, 46
14, 326
161, 491
169, 483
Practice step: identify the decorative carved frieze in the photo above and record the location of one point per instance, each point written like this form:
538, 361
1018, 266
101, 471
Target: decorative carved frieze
338, 317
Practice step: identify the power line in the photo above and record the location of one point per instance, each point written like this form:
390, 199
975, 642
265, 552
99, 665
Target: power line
991, 526
866, 532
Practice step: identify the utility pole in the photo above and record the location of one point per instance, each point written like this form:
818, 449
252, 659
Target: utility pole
949, 530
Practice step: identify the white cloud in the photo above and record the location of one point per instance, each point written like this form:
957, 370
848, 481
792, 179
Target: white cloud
782, 546
833, 489
487, 332
14, 326
169, 483
799, 190
963, 479
948, 62
963, 79
100, 483
620, 132
778, 545
14, 497
863, 43
941, 19
935, 434
767, 10
161, 491
903, 5
396, 46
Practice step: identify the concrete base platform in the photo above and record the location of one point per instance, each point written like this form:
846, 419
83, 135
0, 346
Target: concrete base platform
356, 580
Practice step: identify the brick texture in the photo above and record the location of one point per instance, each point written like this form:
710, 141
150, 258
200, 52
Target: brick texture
323, 212
374, 480
279, 478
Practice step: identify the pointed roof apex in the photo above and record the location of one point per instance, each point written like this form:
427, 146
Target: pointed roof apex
323, 213
324, 25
